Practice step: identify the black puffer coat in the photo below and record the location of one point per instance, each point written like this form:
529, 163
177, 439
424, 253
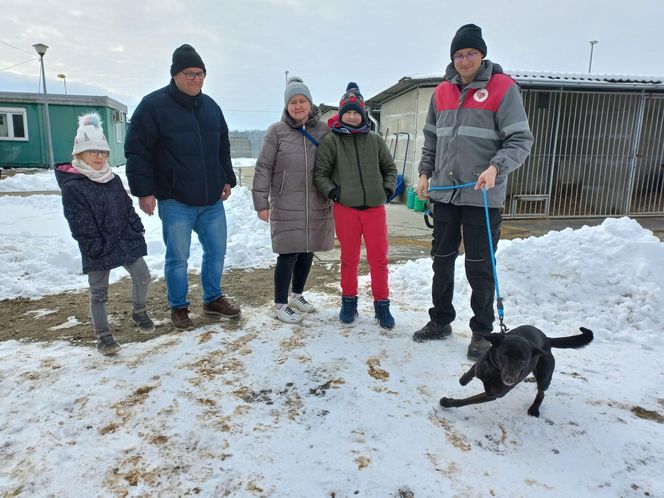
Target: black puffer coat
101, 219
177, 147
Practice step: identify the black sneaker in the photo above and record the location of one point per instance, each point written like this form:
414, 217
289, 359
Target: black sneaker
432, 331
143, 322
106, 345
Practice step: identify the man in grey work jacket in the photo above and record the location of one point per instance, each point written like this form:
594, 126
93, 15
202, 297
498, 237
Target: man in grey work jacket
179, 161
476, 131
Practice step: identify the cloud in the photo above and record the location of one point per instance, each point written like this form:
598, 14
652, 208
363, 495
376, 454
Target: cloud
123, 48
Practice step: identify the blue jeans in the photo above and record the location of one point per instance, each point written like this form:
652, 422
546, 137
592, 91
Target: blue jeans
209, 222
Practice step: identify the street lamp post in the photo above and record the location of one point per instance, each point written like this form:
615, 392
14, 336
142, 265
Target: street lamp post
63, 77
592, 46
41, 50
287, 75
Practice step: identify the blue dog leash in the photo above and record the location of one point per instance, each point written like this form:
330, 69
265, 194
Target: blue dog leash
499, 300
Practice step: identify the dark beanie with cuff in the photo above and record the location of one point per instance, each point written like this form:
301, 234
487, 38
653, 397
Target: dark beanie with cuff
468, 36
352, 100
185, 56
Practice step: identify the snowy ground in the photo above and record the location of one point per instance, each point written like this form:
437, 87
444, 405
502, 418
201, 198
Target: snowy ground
266, 409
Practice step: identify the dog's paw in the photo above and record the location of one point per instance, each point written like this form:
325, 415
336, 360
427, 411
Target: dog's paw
446, 402
533, 412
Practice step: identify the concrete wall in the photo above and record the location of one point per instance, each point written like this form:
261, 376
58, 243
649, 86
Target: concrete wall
406, 114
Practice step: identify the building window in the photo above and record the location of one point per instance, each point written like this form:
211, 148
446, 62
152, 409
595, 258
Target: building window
13, 124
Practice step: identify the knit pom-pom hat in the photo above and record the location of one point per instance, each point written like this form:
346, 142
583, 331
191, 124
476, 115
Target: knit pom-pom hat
295, 86
353, 100
90, 134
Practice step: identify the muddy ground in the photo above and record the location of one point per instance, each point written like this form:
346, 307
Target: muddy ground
23, 319
35, 319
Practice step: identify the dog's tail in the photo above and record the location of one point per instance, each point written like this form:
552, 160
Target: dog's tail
573, 341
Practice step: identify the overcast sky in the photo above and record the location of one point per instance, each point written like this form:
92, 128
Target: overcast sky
123, 48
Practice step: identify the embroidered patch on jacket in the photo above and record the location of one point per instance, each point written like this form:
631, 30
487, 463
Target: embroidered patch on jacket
481, 95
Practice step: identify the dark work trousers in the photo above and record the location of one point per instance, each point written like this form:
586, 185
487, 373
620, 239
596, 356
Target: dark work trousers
448, 222
291, 267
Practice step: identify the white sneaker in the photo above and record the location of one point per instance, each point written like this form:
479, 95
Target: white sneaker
302, 304
287, 315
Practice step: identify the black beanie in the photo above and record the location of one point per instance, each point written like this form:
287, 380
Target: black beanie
185, 56
468, 36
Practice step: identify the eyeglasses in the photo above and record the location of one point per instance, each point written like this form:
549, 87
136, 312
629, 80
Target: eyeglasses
191, 76
470, 56
97, 153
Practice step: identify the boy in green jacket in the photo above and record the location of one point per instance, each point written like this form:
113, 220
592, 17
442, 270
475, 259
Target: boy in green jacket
355, 169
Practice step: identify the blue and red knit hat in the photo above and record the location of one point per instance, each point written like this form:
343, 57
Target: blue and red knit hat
352, 100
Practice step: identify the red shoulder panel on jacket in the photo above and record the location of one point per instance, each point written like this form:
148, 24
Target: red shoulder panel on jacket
447, 96
490, 97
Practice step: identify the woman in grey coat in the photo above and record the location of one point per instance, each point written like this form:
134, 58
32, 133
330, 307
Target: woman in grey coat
284, 194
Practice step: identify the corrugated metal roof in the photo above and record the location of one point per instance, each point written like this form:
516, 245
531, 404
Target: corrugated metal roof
524, 76
527, 78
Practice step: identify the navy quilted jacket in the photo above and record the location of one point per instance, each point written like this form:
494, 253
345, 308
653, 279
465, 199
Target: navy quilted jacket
101, 219
177, 147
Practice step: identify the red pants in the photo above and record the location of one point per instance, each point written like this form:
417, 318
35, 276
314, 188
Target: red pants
351, 225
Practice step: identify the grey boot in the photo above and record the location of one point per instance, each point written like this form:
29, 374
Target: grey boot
478, 345
432, 331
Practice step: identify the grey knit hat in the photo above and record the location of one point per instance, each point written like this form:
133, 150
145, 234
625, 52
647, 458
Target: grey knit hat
295, 86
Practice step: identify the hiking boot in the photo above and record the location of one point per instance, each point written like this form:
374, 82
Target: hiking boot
288, 315
143, 322
180, 319
478, 345
221, 307
348, 309
301, 304
107, 345
432, 331
385, 318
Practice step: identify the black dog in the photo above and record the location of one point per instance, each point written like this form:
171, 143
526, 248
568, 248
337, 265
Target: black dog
511, 358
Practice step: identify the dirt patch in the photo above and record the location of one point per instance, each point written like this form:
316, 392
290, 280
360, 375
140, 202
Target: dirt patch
36, 320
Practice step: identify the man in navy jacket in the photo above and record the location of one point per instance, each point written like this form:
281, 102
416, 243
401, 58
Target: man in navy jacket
178, 160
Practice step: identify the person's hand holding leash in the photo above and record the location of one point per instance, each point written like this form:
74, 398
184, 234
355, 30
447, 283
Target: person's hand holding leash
487, 178
422, 189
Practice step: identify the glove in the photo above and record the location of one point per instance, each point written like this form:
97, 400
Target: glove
334, 194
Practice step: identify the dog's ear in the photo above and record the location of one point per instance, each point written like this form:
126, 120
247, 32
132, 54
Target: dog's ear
495, 339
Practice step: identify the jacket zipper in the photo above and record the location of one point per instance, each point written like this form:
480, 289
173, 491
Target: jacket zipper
306, 188
359, 170
200, 141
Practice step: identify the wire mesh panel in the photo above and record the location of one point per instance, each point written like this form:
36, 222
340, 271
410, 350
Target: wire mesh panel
595, 154
528, 188
648, 187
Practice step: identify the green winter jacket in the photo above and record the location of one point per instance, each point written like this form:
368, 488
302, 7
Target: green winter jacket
360, 165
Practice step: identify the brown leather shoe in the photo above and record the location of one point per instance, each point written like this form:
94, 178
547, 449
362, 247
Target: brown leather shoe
180, 319
222, 307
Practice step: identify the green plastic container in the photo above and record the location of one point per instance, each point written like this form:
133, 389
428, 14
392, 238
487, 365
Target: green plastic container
419, 205
410, 198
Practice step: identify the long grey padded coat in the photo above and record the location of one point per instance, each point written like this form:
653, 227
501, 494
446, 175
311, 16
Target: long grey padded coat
301, 218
